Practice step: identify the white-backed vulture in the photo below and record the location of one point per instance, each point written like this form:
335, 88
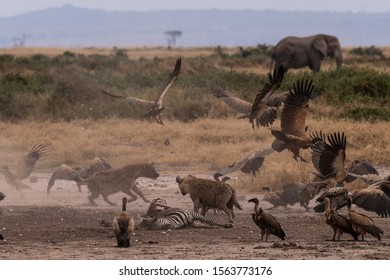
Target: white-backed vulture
123, 226
156, 107
375, 197
2, 196
11, 180
267, 223
338, 223
292, 134
362, 223
264, 107
328, 157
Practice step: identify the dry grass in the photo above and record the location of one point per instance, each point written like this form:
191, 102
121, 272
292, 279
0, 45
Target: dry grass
201, 147
133, 53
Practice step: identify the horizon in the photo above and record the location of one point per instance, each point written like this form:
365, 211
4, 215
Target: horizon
11, 9
71, 26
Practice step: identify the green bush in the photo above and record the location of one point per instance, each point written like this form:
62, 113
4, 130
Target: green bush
367, 114
68, 86
367, 51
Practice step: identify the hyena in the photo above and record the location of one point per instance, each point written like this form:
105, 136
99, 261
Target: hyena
207, 193
120, 180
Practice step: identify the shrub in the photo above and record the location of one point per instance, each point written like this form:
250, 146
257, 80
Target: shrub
367, 51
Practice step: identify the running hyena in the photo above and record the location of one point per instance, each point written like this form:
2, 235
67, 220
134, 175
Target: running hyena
120, 180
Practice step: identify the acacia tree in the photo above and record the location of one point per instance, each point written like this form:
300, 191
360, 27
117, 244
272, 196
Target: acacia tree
20, 41
172, 35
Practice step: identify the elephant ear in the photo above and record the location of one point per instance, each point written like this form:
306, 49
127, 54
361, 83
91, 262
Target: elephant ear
320, 45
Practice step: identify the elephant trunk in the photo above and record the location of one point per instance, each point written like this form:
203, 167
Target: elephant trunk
339, 59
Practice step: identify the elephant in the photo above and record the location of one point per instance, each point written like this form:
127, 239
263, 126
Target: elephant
298, 52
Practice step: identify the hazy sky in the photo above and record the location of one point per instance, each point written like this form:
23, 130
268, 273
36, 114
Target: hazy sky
14, 7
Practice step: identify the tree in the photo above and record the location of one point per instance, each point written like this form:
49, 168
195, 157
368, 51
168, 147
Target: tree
20, 41
172, 35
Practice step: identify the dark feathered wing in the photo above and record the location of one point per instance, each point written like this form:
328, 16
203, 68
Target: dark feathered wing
273, 225
375, 198
338, 196
359, 167
329, 159
2, 196
260, 109
250, 163
294, 112
291, 193
25, 165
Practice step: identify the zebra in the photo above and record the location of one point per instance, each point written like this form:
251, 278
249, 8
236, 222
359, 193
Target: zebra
173, 218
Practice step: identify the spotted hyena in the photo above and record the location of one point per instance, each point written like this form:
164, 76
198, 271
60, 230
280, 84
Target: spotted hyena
120, 180
207, 193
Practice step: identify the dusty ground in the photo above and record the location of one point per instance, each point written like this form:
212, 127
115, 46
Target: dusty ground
62, 225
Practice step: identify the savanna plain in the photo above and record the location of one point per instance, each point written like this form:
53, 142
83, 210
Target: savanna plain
53, 96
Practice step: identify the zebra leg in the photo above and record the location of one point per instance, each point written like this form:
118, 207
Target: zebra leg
198, 217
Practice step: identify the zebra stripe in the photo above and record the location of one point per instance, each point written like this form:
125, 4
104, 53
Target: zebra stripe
175, 218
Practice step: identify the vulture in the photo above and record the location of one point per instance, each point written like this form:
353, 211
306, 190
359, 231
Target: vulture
11, 180
293, 193
123, 226
23, 168
250, 164
260, 111
80, 176
328, 157
25, 165
156, 107
375, 198
338, 198
338, 223
265, 105
362, 223
292, 134
273, 197
2, 196
302, 193
267, 223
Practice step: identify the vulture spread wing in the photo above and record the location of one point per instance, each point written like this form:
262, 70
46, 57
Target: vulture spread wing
131, 99
250, 163
295, 107
235, 103
375, 198
329, 159
261, 111
25, 165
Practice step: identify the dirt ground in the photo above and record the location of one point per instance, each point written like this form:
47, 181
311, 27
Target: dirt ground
63, 225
